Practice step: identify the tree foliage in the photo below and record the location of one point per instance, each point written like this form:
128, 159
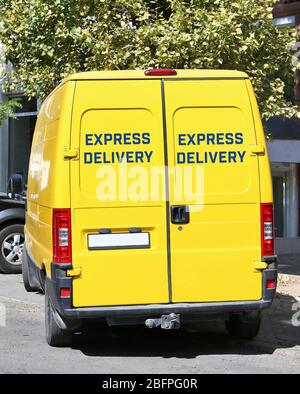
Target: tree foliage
7, 109
47, 40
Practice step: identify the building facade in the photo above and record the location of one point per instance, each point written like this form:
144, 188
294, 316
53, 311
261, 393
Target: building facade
15, 134
284, 152
15, 139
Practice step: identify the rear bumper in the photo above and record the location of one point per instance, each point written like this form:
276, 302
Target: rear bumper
64, 305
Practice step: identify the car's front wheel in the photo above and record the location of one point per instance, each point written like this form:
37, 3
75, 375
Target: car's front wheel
11, 248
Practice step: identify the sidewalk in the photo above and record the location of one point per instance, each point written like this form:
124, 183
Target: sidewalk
289, 275
289, 264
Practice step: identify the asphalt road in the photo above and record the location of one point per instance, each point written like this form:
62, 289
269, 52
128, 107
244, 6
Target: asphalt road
23, 348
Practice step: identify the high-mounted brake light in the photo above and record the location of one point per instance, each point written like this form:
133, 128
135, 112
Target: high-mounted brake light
267, 229
160, 72
61, 227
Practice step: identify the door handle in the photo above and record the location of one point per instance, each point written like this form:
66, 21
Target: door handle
180, 214
258, 149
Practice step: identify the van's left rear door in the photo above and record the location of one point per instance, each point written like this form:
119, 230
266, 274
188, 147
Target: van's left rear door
117, 126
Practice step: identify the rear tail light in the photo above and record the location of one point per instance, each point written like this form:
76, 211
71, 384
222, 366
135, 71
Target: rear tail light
160, 72
267, 229
61, 226
65, 292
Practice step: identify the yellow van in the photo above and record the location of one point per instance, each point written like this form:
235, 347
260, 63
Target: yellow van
150, 202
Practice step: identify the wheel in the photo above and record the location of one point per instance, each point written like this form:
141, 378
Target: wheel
244, 326
55, 336
42, 280
11, 249
26, 274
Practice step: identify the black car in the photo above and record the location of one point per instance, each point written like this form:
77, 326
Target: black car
12, 219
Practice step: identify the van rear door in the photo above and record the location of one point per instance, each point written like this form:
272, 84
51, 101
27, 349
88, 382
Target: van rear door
118, 235
210, 134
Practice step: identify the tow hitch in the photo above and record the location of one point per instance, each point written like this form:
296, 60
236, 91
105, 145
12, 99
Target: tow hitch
166, 322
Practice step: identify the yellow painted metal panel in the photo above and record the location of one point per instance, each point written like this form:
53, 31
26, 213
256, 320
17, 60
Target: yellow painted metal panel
118, 119
120, 277
38, 234
48, 178
212, 257
266, 188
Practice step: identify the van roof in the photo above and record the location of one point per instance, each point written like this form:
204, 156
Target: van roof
140, 74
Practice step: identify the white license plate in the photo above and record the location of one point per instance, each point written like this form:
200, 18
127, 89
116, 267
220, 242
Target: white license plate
119, 241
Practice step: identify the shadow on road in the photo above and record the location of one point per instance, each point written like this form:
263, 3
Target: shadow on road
289, 264
277, 332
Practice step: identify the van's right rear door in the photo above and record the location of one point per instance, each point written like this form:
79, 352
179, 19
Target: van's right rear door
210, 135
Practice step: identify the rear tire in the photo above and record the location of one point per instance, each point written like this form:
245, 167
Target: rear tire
245, 326
42, 280
11, 248
55, 336
26, 274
